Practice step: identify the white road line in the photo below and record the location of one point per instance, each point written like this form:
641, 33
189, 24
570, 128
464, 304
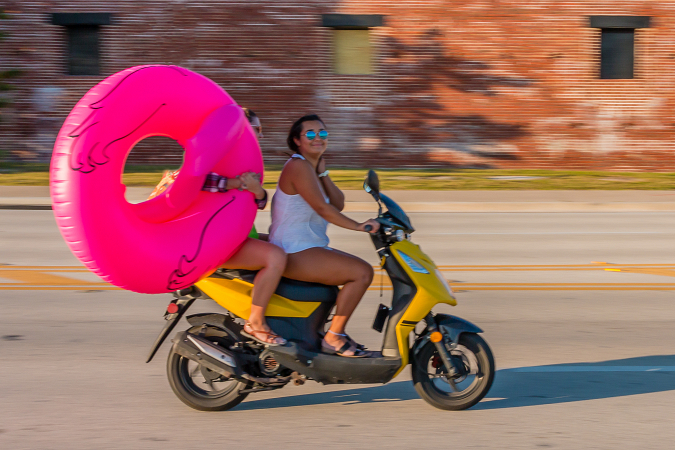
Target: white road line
562, 369
554, 233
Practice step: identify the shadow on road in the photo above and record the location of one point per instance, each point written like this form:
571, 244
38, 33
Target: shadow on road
392, 392
513, 388
564, 383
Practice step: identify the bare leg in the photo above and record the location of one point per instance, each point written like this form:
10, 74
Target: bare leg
270, 260
333, 267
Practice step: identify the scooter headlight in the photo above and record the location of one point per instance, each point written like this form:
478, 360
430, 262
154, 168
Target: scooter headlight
400, 235
445, 282
414, 265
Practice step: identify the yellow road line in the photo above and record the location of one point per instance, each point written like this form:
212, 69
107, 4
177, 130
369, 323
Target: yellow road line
662, 272
82, 269
40, 277
551, 269
456, 288
446, 267
60, 288
566, 288
50, 268
44, 278
553, 287
521, 266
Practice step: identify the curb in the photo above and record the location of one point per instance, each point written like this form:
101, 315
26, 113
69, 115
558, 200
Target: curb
40, 204
515, 207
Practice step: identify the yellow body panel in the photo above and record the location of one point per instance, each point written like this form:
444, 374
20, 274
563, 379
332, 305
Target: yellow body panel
430, 292
235, 296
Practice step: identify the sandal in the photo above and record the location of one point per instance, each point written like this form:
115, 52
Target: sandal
270, 338
356, 344
358, 353
346, 336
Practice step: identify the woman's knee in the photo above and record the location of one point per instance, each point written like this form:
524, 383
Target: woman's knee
365, 273
276, 258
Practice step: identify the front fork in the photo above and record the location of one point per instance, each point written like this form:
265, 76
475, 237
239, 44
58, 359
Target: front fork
453, 365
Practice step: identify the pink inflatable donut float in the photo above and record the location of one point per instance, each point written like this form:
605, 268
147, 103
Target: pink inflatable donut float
184, 234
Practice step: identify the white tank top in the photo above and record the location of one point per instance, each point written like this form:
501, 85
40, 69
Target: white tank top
295, 225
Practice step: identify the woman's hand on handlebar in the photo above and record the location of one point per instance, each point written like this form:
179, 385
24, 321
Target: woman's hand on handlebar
369, 226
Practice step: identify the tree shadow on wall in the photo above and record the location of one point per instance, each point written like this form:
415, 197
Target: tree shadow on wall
424, 106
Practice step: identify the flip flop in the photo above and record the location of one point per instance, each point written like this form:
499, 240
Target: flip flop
269, 335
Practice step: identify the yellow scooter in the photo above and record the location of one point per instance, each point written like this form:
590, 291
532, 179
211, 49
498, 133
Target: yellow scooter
212, 366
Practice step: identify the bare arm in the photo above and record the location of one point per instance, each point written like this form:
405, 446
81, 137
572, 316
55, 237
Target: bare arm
299, 176
251, 182
337, 198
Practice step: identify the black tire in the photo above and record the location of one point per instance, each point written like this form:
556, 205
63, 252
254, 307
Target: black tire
429, 374
185, 379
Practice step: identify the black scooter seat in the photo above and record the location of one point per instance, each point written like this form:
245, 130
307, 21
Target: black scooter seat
300, 291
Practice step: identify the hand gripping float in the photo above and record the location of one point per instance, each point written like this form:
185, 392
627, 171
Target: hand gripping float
177, 238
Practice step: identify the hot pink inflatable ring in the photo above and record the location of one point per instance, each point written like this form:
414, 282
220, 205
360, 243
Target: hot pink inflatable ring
182, 235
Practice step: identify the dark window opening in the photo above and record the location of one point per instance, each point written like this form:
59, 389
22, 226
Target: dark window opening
83, 40
617, 51
617, 44
83, 49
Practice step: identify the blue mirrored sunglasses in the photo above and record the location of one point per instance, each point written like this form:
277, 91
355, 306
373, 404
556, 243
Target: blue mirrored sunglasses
323, 134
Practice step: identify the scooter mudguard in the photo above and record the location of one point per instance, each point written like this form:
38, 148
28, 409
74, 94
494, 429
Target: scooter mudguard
451, 326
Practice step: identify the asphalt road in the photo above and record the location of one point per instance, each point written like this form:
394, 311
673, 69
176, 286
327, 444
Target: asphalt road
585, 354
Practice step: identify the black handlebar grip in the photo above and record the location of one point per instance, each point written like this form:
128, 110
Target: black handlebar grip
368, 228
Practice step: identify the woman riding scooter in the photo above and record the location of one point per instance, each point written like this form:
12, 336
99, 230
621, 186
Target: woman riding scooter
306, 199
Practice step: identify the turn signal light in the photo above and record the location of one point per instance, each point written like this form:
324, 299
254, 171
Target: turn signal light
172, 308
436, 336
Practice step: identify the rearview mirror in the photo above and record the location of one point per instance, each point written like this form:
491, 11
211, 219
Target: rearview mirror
372, 184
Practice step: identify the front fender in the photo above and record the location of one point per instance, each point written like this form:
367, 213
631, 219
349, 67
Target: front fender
450, 326
453, 326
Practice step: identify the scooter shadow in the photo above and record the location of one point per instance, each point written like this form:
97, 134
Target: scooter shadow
564, 383
391, 392
519, 387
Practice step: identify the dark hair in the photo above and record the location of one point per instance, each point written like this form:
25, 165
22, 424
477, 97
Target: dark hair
296, 129
249, 114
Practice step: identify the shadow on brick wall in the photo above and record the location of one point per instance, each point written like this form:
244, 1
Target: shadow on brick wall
444, 107
157, 150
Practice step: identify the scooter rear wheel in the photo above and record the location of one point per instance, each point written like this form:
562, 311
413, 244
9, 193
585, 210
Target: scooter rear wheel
443, 392
201, 388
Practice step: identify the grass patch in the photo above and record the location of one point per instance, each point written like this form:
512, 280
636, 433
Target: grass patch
28, 174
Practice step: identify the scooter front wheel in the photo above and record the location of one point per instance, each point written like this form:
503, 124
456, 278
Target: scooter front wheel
438, 389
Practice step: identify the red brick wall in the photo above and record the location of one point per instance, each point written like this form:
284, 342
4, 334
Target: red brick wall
459, 84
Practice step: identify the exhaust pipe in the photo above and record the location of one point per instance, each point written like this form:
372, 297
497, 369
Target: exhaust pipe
218, 359
207, 354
